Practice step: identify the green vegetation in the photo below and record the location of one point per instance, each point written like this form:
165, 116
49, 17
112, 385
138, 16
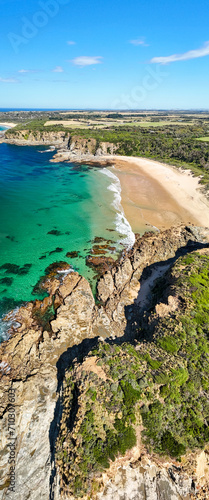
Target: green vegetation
175, 143
162, 384
34, 126
204, 139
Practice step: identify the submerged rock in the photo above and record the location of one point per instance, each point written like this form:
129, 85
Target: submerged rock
53, 273
100, 264
72, 255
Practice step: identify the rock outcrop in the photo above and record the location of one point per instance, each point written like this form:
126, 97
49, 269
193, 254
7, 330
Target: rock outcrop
82, 146
70, 147
29, 366
47, 337
119, 289
29, 137
147, 481
74, 145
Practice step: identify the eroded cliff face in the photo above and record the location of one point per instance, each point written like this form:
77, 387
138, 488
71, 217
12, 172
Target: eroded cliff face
80, 146
70, 147
147, 479
28, 138
123, 290
52, 334
29, 365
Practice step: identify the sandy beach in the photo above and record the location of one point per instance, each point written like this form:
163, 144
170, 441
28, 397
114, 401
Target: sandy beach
8, 124
155, 194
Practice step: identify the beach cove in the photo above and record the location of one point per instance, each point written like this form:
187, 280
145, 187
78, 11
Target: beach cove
53, 213
155, 195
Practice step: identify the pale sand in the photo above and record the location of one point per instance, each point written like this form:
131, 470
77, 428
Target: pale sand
8, 124
154, 194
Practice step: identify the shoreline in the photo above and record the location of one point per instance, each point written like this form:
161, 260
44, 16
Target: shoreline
155, 195
159, 195
122, 225
8, 124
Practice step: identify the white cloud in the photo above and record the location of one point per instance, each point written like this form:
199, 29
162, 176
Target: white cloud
86, 60
58, 69
9, 80
191, 54
139, 41
70, 42
26, 71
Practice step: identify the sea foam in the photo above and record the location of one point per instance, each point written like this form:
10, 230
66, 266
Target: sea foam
122, 225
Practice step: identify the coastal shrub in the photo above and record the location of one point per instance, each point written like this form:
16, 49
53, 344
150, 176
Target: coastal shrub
161, 378
180, 376
171, 446
131, 396
189, 259
126, 436
169, 344
155, 364
162, 383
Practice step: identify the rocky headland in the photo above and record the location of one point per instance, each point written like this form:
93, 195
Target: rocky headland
110, 396
26, 137
69, 147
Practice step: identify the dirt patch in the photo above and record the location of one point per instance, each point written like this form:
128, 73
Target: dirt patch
90, 365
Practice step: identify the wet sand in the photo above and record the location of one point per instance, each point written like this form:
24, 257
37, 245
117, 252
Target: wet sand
154, 194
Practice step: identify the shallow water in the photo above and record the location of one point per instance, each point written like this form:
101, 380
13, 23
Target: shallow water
50, 209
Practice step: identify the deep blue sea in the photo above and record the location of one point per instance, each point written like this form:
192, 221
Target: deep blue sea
49, 209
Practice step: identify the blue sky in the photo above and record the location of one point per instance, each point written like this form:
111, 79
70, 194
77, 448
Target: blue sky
114, 55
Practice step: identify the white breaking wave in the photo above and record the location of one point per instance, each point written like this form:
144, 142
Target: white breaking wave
65, 272
52, 148
121, 223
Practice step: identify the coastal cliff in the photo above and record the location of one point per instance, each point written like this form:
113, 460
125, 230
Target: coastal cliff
87, 378
70, 147
26, 137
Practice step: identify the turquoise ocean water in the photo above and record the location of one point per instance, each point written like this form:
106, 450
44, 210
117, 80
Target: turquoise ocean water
49, 209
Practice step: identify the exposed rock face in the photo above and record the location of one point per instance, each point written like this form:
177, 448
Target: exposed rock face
147, 482
29, 367
75, 314
34, 359
81, 146
120, 287
71, 147
26, 137
86, 150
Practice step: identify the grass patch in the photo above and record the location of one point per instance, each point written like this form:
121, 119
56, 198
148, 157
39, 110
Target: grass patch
204, 139
163, 383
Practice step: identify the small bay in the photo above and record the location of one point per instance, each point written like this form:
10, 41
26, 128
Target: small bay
47, 210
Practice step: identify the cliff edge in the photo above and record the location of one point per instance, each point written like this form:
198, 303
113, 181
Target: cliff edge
94, 391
